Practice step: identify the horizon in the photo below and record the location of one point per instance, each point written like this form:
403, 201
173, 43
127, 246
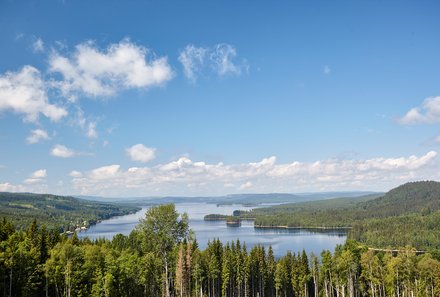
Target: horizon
364, 192
211, 99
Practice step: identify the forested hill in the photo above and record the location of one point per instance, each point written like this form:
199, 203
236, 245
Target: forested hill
406, 215
55, 211
413, 197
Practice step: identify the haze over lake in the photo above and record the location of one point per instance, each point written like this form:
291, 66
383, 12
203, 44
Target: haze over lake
280, 240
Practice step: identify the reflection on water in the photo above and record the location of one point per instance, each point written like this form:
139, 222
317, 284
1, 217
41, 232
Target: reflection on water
282, 240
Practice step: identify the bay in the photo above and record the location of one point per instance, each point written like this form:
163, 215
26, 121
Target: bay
281, 240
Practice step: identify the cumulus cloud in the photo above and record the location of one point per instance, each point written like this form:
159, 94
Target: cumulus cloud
37, 177
220, 59
427, 113
7, 187
36, 136
41, 173
105, 172
24, 92
75, 173
246, 186
62, 151
123, 65
200, 178
141, 153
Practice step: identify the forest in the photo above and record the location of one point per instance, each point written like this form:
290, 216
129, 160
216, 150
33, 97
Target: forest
60, 212
406, 215
161, 258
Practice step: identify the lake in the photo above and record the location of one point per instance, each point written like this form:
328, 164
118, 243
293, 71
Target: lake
280, 240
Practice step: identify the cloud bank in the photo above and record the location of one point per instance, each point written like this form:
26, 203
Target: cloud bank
199, 178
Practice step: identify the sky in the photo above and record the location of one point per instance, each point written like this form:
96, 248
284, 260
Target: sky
193, 98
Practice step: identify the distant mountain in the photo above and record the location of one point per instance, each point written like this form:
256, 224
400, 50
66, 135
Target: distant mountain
232, 198
55, 211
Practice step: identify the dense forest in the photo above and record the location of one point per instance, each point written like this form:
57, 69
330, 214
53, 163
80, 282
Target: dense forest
406, 215
60, 212
161, 258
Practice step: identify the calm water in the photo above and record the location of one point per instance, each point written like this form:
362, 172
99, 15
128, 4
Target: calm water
281, 240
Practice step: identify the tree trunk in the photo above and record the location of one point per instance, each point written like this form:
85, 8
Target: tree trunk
167, 287
315, 282
10, 282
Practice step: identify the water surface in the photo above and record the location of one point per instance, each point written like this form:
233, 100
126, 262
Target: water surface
281, 240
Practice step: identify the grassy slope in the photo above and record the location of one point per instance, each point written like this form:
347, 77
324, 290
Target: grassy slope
56, 211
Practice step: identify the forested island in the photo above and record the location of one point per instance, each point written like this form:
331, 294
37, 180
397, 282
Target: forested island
406, 215
161, 258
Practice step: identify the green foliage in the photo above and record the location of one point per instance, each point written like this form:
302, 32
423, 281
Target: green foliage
56, 212
406, 215
161, 258
35, 262
216, 217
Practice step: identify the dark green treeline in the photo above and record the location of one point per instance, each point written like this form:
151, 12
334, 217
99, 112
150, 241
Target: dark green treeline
161, 258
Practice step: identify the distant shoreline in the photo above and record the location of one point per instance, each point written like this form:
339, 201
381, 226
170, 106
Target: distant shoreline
303, 228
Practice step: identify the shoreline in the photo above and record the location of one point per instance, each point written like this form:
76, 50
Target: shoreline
303, 228
97, 221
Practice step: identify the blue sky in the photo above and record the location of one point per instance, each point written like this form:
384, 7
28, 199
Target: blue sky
155, 98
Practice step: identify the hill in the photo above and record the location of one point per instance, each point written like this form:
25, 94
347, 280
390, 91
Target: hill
413, 197
406, 215
55, 211
254, 199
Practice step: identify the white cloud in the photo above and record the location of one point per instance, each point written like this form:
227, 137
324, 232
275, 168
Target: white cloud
141, 153
38, 45
105, 172
41, 173
219, 58
88, 126
192, 59
36, 177
36, 136
326, 70
75, 173
246, 186
24, 92
427, 113
31, 186
123, 65
91, 130
7, 187
62, 151
222, 57
185, 176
